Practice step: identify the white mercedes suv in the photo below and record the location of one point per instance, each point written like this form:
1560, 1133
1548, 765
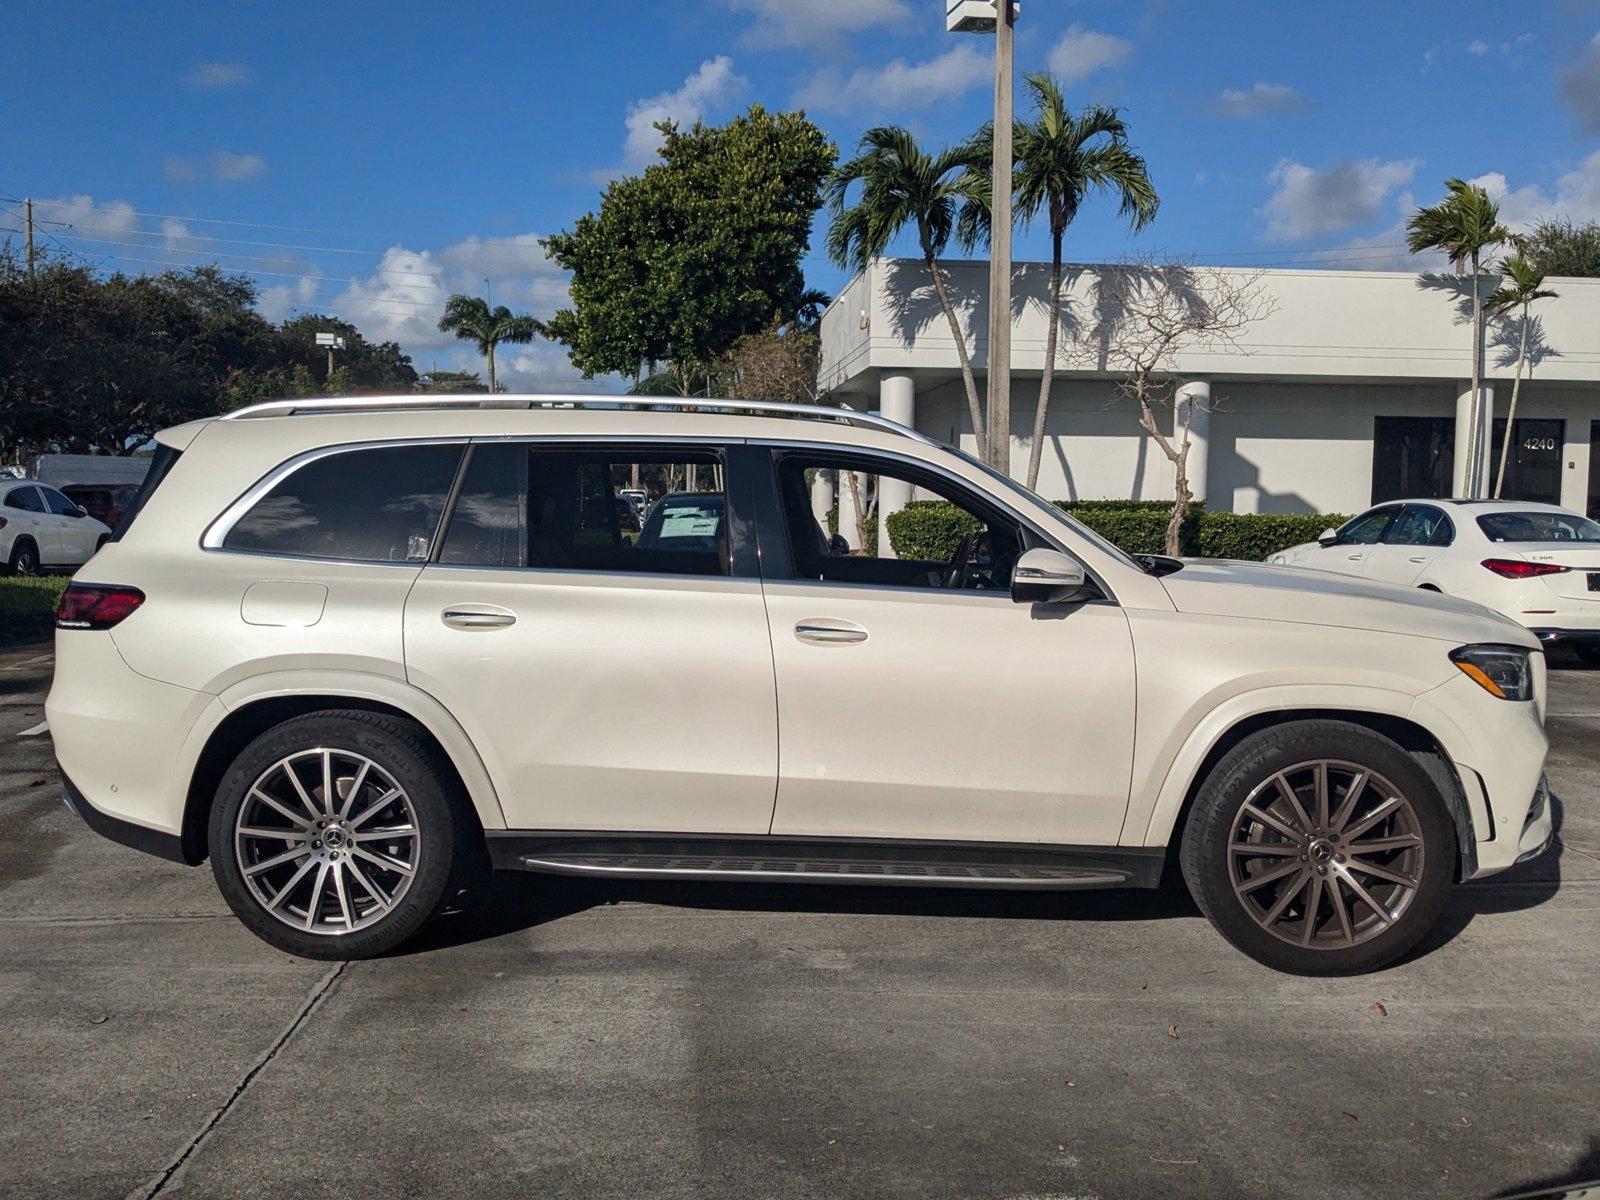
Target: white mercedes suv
355, 651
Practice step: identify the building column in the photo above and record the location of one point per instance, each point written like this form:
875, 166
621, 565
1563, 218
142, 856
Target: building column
1575, 462
822, 498
897, 400
849, 527
1470, 480
1192, 406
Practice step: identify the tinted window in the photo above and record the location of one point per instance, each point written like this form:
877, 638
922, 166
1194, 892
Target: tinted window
1366, 529
25, 498
377, 505
58, 503
571, 509
1420, 525
1538, 527
486, 527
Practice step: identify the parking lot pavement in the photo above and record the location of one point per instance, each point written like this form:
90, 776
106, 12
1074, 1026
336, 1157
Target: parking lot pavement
655, 1041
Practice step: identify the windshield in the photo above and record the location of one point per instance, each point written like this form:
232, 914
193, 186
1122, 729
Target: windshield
1538, 527
1039, 504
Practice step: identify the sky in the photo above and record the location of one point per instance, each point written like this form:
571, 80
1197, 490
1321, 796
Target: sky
368, 159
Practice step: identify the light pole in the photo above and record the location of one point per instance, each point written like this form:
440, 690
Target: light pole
1001, 16
333, 342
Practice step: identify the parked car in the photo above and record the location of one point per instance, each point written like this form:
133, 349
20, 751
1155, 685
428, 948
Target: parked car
1536, 563
104, 502
355, 650
40, 529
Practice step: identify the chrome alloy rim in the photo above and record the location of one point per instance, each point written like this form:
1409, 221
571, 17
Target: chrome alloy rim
327, 841
1325, 854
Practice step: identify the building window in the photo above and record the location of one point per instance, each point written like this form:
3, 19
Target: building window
1533, 468
1412, 458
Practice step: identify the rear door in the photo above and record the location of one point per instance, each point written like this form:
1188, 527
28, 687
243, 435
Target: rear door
1412, 542
608, 685
27, 515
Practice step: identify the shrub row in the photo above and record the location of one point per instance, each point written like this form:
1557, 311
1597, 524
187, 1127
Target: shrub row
931, 529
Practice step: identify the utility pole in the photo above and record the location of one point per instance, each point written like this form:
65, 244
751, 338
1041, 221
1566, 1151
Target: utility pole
999, 358
27, 218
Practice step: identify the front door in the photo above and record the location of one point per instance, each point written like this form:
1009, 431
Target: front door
1357, 542
615, 674
915, 698
1417, 536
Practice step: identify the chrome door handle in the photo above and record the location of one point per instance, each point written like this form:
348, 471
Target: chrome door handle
825, 631
478, 618
1355, 557
1418, 558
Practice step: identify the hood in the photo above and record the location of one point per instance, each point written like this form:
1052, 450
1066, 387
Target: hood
1220, 587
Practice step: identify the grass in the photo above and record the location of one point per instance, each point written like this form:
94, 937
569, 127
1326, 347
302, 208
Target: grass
28, 606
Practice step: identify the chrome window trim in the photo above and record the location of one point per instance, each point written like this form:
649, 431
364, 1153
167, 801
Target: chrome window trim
961, 483
217, 532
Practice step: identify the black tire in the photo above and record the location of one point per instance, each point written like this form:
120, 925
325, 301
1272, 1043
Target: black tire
1205, 854
101, 541
24, 558
399, 748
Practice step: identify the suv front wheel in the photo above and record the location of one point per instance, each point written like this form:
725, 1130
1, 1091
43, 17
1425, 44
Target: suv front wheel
333, 833
1320, 847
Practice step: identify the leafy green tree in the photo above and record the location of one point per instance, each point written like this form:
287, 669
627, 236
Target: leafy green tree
1463, 225
1521, 284
900, 186
1062, 159
1558, 247
699, 250
472, 320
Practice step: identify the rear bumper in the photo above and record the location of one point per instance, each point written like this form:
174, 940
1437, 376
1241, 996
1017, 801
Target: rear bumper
140, 837
1566, 637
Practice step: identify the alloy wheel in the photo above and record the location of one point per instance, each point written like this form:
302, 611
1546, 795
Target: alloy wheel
327, 841
1325, 854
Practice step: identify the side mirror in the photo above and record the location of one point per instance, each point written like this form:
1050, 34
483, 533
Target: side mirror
80, 511
1327, 537
1046, 577
837, 545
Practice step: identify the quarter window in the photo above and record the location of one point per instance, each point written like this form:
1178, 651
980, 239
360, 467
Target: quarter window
375, 505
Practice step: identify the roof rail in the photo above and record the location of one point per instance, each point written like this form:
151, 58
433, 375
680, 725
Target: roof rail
760, 408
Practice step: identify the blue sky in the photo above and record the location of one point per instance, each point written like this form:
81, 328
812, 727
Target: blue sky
366, 159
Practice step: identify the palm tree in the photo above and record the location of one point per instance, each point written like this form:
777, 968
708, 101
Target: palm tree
1463, 225
902, 185
1060, 160
1522, 285
472, 320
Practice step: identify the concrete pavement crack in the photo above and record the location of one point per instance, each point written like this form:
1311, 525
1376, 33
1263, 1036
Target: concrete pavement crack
158, 1184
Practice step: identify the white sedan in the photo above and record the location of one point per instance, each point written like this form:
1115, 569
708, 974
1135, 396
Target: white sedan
41, 529
1536, 563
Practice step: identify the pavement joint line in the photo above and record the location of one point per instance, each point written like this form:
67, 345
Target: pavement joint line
36, 730
155, 1186
117, 919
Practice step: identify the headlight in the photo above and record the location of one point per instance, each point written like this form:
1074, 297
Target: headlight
1502, 671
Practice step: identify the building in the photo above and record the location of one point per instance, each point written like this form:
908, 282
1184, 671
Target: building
1354, 389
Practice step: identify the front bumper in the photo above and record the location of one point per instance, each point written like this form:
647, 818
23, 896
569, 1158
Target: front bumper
1539, 828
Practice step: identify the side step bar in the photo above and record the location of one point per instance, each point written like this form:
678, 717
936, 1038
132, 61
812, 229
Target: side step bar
842, 860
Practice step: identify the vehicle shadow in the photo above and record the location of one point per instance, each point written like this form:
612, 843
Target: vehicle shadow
1583, 1174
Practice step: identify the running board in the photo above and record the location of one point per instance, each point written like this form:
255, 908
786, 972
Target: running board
843, 861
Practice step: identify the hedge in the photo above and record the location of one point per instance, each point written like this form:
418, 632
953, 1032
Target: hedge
931, 529
28, 606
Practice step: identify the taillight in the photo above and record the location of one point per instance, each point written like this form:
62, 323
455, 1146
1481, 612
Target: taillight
95, 605
1521, 568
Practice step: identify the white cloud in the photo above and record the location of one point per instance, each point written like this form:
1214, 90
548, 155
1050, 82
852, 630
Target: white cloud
1576, 198
1478, 48
113, 218
1081, 52
711, 86
221, 166
898, 85
816, 24
1580, 87
1261, 100
1308, 202
218, 75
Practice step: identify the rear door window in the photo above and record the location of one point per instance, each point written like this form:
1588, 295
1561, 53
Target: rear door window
25, 498
378, 504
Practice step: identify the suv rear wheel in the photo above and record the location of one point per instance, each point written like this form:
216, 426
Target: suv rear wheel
1320, 847
333, 833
